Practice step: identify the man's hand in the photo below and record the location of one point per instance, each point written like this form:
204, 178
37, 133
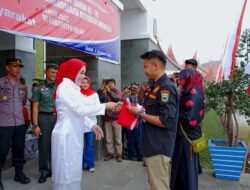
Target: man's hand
175, 77
118, 106
144, 87
98, 132
37, 132
103, 86
106, 87
132, 109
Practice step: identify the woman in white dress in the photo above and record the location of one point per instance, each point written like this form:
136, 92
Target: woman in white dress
73, 112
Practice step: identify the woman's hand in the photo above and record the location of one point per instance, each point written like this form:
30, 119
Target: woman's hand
118, 106
114, 106
98, 132
37, 132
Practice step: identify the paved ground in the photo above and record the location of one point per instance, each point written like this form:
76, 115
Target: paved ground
118, 176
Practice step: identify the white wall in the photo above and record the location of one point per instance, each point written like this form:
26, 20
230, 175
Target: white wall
24, 44
136, 24
133, 24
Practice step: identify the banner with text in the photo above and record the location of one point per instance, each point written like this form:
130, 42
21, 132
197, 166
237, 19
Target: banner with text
91, 26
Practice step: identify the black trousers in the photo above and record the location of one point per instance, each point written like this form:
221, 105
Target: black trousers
46, 123
184, 172
15, 137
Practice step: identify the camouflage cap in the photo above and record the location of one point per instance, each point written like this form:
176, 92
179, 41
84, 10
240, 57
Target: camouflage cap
51, 65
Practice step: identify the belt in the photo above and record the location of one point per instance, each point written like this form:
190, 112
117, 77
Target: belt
47, 113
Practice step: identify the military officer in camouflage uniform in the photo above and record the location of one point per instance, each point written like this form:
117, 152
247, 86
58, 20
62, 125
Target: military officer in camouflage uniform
43, 119
13, 97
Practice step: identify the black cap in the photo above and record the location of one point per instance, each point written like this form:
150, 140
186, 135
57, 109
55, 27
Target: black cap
155, 54
14, 61
191, 61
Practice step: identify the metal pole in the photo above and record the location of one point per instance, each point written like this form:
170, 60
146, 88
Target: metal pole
248, 50
44, 58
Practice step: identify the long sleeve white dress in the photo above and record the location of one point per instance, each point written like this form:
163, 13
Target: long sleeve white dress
94, 99
73, 112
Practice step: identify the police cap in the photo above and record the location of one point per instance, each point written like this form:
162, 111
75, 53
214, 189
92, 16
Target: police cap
14, 62
155, 54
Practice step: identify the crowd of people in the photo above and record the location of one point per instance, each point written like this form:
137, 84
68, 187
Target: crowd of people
63, 111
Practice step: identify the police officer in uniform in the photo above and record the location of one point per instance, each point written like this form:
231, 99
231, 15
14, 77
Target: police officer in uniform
161, 115
13, 97
43, 119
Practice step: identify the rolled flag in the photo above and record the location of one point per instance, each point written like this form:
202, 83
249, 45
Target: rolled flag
228, 61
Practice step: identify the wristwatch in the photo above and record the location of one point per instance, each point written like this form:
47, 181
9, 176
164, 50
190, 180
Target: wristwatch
35, 126
138, 115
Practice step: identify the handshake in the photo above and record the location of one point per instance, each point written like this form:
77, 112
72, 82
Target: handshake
115, 107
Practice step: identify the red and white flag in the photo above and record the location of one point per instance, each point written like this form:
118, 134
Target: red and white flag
127, 119
228, 61
219, 74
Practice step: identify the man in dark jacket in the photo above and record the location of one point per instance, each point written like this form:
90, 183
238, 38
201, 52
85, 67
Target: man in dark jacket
161, 103
109, 93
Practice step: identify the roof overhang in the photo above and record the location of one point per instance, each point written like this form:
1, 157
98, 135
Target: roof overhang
118, 4
134, 4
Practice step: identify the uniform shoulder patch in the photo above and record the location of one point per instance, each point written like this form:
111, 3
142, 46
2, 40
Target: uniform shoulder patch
164, 95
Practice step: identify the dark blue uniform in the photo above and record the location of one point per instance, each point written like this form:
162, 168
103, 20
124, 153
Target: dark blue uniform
162, 101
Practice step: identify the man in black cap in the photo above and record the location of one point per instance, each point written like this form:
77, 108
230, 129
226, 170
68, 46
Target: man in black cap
43, 119
13, 97
159, 129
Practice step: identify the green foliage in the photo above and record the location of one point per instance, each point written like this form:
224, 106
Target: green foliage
217, 94
230, 97
213, 129
244, 49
